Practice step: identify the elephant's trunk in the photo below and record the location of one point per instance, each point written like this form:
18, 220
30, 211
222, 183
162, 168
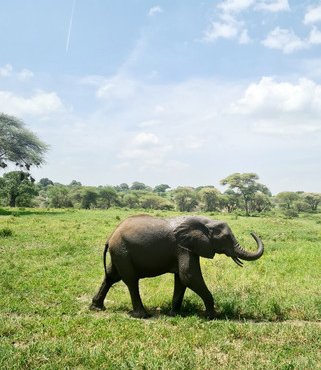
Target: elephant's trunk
248, 256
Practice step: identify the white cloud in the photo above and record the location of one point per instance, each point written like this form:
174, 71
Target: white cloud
6, 70
155, 10
145, 150
229, 6
282, 107
228, 28
145, 139
238, 6
313, 15
315, 36
228, 25
273, 5
40, 104
285, 40
116, 87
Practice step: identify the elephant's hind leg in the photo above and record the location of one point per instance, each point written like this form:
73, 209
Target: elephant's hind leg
139, 310
111, 278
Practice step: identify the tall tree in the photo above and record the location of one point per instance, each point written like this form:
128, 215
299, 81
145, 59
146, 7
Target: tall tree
185, 199
210, 198
136, 185
313, 200
59, 196
17, 188
18, 144
107, 196
89, 197
246, 185
161, 188
286, 199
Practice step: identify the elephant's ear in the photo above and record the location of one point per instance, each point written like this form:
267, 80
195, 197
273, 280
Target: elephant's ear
193, 235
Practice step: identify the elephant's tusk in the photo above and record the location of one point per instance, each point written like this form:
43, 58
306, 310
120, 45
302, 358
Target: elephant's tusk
237, 261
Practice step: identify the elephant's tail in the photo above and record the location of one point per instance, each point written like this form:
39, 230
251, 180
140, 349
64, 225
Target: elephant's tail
105, 252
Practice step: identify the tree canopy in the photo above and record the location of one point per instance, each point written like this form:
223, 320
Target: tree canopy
18, 144
246, 185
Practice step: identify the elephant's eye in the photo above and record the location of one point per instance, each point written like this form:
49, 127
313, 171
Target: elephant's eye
223, 235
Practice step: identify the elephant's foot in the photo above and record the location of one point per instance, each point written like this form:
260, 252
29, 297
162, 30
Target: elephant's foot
139, 314
173, 313
210, 314
97, 307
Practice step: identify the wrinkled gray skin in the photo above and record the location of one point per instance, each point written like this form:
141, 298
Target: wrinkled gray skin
145, 246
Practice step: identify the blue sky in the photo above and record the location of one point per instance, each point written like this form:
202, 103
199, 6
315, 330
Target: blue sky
176, 92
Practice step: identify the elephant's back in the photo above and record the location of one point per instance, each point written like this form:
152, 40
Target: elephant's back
142, 230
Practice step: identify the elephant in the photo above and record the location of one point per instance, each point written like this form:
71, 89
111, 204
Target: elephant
147, 246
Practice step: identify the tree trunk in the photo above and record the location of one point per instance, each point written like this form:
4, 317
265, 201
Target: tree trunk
12, 201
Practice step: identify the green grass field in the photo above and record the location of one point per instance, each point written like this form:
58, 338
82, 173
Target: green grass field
51, 266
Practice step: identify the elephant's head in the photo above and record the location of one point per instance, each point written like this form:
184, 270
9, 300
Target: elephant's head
206, 237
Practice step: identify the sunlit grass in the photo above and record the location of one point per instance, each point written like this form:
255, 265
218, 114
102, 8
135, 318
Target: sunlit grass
51, 266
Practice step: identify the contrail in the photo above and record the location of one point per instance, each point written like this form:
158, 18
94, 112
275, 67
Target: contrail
70, 25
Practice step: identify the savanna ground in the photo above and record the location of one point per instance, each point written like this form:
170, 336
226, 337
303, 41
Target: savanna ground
51, 266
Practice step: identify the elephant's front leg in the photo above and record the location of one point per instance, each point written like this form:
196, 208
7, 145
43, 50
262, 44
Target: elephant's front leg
191, 276
179, 291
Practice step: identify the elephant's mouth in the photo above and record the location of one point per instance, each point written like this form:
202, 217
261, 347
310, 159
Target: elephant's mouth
242, 254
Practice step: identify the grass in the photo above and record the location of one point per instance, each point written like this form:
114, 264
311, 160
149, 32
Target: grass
51, 266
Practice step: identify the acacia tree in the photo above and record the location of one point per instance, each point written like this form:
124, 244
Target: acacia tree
313, 200
286, 199
247, 186
18, 144
161, 189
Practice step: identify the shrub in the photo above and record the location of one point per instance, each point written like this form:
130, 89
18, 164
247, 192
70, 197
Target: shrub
5, 232
290, 213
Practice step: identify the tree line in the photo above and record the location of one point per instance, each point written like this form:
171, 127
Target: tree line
243, 194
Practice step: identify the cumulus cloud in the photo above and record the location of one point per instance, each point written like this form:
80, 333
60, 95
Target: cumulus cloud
285, 40
315, 36
229, 6
155, 10
145, 150
227, 23
273, 5
288, 42
145, 140
286, 107
40, 104
228, 27
313, 15
8, 71
237, 6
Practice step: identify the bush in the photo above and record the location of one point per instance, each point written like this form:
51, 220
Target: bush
5, 232
290, 213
